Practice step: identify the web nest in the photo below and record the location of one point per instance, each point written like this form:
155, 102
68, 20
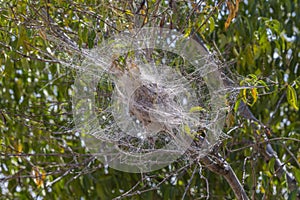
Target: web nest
143, 107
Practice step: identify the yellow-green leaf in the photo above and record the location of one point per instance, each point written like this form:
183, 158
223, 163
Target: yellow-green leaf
254, 95
188, 30
262, 190
292, 97
211, 25
244, 95
187, 130
128, 12
237, 105
197, 109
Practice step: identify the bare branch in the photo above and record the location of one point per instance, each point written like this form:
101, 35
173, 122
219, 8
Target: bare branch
218, 165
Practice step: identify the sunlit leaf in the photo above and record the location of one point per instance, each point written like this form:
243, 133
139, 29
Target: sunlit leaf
188, 30
128, 12
19, 148
262, 189
292, 97
39, 176
254, 95
244, 95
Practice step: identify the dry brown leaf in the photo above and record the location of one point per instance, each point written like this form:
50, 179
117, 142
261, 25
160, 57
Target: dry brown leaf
233, 9
39, 176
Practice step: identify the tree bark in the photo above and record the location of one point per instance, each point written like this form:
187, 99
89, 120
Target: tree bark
219, 166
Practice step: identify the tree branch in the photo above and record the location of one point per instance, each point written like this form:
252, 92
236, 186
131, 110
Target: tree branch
218, 165
268, 151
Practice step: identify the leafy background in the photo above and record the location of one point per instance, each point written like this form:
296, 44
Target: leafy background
42, 156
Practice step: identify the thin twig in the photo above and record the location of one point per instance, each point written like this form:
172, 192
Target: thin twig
189, 182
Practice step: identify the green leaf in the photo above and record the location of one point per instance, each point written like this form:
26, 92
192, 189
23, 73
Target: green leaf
249, 56
211, 25
271, 165
236, 106
292, 97
244, 95
293, 195
187, 129
197, 109
261, 82
188, 30
128, 12
274, 25
253, 77
297, 83
296, 172
91, 38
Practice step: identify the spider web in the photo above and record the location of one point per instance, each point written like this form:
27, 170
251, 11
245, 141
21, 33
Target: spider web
146, 97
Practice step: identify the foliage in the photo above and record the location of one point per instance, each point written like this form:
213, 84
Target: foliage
42, 155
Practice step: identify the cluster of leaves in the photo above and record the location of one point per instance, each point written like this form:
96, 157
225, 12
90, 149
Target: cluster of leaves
42, 155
